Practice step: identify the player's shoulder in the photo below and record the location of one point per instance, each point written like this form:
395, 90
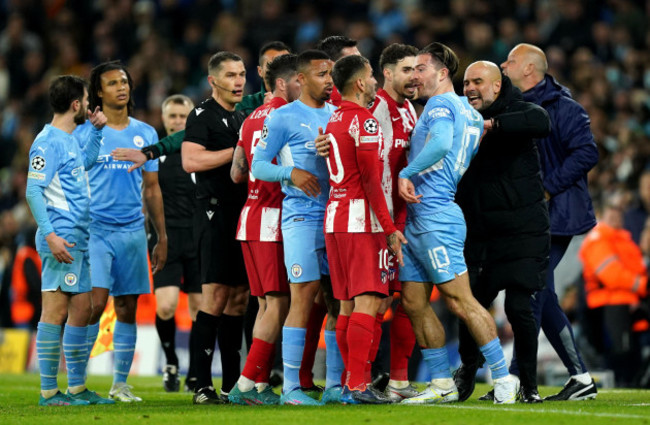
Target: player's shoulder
44, 139
443, 105
138, 125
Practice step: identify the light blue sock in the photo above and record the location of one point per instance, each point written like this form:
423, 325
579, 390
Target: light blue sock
75, 350
495, 359
437, 360
48, 348
293, 344
333, 361
91, 336
124, 338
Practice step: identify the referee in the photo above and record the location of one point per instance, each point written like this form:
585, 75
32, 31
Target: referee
211, 135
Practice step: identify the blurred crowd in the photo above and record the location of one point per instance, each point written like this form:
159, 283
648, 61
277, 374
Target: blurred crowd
599, 49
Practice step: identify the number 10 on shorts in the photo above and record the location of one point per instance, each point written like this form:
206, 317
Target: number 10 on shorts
439, 257
385, 260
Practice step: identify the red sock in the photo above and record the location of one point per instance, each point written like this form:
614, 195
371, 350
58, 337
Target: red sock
314, 326
374, 348
257, 358
265, 373
360, 332
402, 341
342, 341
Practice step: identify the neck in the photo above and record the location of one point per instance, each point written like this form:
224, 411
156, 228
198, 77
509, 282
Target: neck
64, 122
281, 94
393, 94
445, 87
220, 100
310, 101
116, 117
355, 97
531, 82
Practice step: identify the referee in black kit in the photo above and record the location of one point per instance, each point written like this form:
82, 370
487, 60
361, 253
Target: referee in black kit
211, 135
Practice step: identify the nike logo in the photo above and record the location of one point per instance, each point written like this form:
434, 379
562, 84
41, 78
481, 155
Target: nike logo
443, 395
395, 118
198, 111
210, 214
305, 125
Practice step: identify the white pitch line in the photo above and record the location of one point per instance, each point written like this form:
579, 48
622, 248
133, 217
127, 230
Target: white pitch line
557, 411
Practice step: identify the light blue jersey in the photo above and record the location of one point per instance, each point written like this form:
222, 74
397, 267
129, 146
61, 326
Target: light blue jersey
289, 134
57, 186
436, 170
115, 194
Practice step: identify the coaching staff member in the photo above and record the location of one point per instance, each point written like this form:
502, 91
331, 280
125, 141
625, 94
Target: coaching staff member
508, 238
211, 135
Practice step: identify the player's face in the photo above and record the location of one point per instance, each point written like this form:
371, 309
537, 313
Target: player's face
293, 88
174, 117
267, 57
513, 67
228, 82
349, 51
370, 84
404, 81
479, 88
317, 80
82, 114
115, 90
427, 76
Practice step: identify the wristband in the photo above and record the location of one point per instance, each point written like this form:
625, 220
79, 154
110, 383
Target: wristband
151, 152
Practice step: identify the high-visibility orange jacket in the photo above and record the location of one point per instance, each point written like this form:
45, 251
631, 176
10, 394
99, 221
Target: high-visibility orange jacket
613, 267
22, 310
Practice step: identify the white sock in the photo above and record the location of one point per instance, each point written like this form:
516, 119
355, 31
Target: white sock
583, 378
444, 383
49, 393
261, 386
77, 389
398, 384
245, 384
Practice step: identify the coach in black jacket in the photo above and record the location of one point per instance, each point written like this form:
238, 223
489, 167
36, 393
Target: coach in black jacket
508, 238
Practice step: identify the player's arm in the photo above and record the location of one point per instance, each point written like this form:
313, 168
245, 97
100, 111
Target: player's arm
91, 149
440, 141
169, 144
267, 149
239, 167
154, 203
369, 169
197, 158
530, 121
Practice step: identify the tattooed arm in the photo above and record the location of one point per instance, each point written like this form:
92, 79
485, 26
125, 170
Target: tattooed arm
239, 167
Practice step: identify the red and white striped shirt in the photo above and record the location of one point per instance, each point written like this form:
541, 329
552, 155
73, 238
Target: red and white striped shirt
260, 217
397, 122
356, 203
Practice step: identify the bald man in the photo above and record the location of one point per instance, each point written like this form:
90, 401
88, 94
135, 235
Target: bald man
508, 238
567, 154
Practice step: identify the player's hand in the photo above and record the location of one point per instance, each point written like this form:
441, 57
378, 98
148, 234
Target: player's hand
132, 155
58, 248
322, 143
407, 191
305, 181
395, 241
159, 256
97, 118
547, 196
488, 124
268, 96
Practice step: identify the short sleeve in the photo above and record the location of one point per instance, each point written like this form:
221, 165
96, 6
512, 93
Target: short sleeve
197, 127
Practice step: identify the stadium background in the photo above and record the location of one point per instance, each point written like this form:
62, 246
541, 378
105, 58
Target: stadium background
599, 49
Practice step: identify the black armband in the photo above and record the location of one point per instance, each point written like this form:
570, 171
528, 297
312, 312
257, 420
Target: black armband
151, 152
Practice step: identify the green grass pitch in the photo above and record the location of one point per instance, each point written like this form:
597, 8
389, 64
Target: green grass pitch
19, 405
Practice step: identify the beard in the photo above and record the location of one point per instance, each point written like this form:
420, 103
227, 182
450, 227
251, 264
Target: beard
80, 117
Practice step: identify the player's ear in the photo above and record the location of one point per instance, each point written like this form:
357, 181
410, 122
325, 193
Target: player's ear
281, 84
259, 72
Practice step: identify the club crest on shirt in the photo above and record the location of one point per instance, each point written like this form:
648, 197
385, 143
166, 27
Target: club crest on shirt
138, 141
370, 125
70, 279
296, 270
38, 163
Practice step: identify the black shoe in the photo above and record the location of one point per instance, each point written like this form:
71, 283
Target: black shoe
206, 395
465, 380
190, 384
171, 383
363, 396
276, 379
574, 391
529, 395
489, 396
381, 381
315, 391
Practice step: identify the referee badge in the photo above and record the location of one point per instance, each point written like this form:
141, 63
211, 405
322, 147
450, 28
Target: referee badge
70, 279
296, 270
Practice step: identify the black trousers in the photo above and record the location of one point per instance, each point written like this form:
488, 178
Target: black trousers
486, 282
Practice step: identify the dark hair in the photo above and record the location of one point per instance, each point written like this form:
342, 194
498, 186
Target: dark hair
334, 44
443, 55
214, 65
305, 58
395, 53
96, 84
283, 66
346, 69
272, 45
64, 90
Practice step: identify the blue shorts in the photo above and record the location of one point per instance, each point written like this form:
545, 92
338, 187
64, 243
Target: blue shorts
304, 252
72, 278
434, 252
119, 262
